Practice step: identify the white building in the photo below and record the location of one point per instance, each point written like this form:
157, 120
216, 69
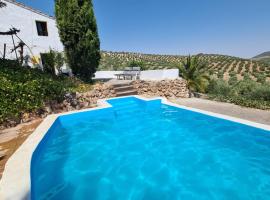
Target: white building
37, 30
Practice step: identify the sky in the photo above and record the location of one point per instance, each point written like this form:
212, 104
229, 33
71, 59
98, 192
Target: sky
180, 27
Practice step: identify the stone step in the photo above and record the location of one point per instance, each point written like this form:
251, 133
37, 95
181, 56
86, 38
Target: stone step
123, 88
120, 85
126, 93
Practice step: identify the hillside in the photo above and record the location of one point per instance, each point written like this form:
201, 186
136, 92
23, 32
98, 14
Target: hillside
264, 57
265, 54
222, 65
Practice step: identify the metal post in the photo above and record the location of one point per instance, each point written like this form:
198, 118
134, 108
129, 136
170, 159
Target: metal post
5, 47
14, 47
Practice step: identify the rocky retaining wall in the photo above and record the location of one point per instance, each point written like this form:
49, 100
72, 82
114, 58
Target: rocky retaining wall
164, 88
72, 101
77, 101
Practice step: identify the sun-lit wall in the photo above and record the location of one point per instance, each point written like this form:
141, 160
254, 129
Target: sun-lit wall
24, 18
154, 75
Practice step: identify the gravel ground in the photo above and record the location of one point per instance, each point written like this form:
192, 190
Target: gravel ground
255, 115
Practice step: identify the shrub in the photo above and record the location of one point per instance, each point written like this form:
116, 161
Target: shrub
48, 62
52, 61
27, 90
220, 74
246, 76
233, 79
261, 78
135, 63
219, 87
261, 92
247, 93
211, 72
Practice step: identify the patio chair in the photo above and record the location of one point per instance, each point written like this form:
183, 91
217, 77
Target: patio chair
137, 72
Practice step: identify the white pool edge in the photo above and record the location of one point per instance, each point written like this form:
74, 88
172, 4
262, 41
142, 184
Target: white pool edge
16, 183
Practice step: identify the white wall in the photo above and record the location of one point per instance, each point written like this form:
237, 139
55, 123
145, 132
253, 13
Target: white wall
159, 74
106, 74
25, 20
145, 75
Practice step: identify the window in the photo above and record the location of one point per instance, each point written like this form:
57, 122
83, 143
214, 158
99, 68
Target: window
42, 28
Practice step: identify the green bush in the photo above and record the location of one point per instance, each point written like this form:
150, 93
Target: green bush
48, 63
220, 74
261, 78
233, 79
246, 76
52, 61
137, 63
27, 90
247, 93
219, 87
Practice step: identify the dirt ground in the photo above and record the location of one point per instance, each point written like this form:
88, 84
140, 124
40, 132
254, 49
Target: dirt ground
12, 138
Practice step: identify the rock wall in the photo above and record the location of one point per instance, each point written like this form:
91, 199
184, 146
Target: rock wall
77, 101
164, 88
72, 101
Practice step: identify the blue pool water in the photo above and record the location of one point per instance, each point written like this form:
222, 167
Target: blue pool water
140, 150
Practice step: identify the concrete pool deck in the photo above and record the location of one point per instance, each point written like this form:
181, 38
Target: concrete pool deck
15, 183
251, 114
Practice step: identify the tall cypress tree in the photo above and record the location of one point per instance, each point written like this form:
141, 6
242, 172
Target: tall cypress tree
78, 32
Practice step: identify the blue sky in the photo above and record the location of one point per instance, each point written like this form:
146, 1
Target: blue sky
232, 27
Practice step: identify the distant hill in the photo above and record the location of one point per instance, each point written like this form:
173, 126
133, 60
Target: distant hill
265, 54
221, 65
263, 57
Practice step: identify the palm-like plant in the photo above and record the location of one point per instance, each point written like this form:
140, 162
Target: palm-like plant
193, 71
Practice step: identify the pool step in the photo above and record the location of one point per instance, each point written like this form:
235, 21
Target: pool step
124, 89
128, 110
129, 115
126, 106
126, 93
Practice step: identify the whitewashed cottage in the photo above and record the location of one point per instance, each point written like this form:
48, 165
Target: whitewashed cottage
37, 30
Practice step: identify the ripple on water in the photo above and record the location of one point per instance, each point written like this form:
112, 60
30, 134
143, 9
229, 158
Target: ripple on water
162, 153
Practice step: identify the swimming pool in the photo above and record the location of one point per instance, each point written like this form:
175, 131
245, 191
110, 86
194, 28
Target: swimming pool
140, 149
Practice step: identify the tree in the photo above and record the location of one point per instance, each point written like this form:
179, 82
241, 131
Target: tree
136, 63
193, 71
78, 32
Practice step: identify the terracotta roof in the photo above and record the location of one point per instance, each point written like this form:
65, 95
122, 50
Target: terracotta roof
29, 8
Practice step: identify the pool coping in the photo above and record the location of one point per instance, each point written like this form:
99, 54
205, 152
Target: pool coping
16, 181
